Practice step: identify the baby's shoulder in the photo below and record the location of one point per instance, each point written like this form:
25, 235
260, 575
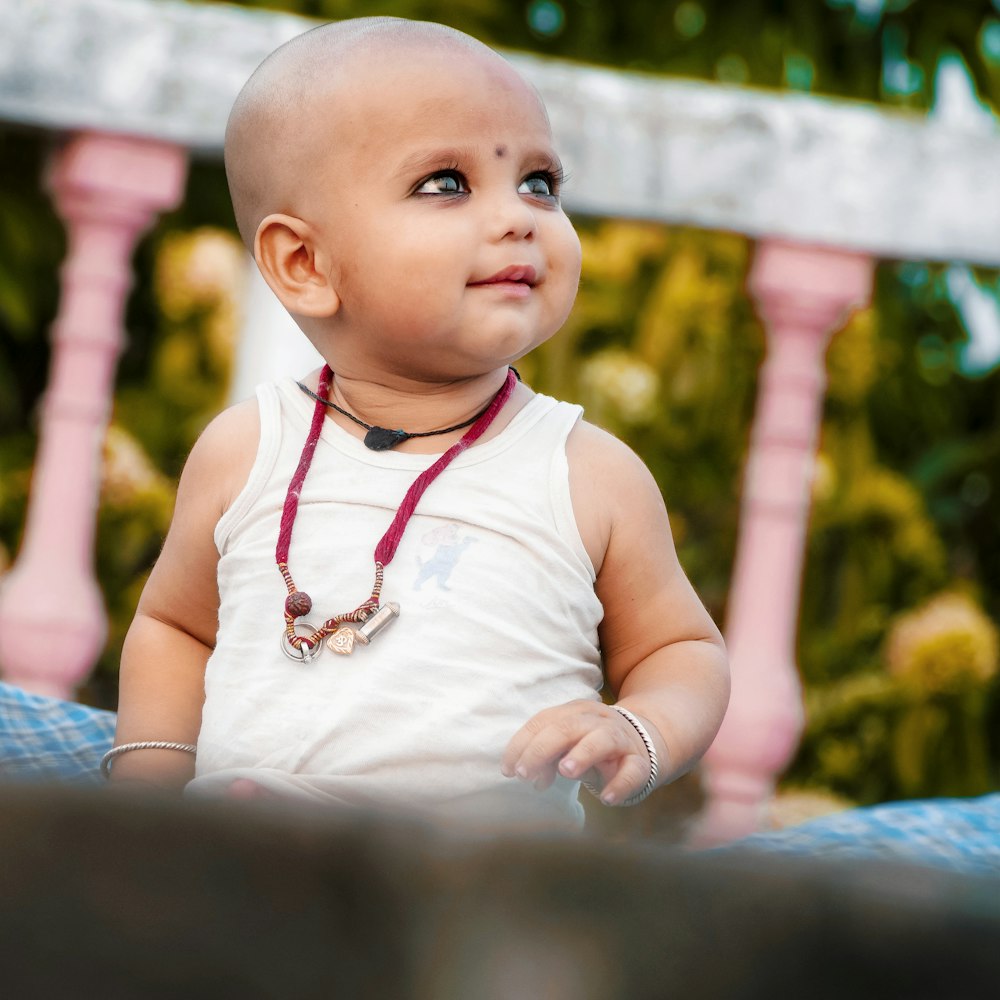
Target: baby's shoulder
222, 457
233, 431
595, 454
609, 485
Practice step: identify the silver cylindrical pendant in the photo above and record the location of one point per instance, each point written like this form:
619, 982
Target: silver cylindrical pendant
378, 621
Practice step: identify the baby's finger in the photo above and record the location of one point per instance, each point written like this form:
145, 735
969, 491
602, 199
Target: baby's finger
246, 788
631, 778
543, 753
607, 742
546, 747
544, 737
546, 775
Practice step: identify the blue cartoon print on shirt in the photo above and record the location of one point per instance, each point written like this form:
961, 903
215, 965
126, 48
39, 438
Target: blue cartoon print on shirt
447, 549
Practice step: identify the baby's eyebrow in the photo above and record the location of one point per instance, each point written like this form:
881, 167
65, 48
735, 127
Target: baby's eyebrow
424, 161
427, 160
546, 158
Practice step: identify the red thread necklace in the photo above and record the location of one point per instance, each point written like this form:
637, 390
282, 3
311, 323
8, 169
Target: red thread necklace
368, 616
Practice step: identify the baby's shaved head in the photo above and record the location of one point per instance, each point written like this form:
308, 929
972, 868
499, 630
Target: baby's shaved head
277, 123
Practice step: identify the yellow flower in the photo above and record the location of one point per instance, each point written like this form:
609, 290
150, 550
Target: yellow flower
839, 759
127, 469
201, 269
948, 644
623, 383
852, 361
616, 251
824, 479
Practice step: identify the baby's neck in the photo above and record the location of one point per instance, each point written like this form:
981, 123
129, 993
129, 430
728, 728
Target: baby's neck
418, 407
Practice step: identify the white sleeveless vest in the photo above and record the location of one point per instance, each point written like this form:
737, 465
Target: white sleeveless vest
498, 620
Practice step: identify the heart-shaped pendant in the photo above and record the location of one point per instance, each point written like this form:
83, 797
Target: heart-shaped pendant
342, 641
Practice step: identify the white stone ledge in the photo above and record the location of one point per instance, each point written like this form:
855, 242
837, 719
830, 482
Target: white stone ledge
818, 171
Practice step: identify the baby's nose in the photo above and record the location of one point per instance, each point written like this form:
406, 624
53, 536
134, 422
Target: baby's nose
514, 219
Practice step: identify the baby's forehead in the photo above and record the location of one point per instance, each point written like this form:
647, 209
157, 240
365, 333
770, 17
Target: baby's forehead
414, 72
420, 88
414, 49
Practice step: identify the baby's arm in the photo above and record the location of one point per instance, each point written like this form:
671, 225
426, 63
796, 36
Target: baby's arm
664, 659
168, 644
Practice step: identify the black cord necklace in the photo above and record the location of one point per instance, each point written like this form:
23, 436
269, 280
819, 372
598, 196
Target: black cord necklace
381, 438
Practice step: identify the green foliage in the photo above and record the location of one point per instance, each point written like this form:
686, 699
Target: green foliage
872, 548
937, 427
872, 739
921, 726
31, 246
132, 521
196, 281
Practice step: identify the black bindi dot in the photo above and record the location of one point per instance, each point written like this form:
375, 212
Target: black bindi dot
501, 151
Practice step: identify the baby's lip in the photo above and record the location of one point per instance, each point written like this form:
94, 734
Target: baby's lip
522, 274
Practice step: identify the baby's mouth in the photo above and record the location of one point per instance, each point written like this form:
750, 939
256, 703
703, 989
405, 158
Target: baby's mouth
516, 274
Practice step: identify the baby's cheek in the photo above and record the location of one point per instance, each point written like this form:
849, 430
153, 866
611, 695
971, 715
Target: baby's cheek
565, 271
569, 255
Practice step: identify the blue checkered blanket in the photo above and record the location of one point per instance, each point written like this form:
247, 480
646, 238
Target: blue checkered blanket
44, 739
958, 834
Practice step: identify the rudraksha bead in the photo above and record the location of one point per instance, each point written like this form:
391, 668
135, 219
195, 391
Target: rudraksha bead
298, 604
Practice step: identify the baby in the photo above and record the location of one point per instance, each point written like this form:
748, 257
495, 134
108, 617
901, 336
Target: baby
404, 581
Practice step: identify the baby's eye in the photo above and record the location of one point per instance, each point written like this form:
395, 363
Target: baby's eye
444, 182
541, 184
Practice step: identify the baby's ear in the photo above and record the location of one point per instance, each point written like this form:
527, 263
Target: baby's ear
286, 252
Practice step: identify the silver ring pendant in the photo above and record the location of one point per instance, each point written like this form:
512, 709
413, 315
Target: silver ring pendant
305, 653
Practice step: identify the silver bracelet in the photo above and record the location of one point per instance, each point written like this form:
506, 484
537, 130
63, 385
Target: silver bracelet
654, 761
143, 745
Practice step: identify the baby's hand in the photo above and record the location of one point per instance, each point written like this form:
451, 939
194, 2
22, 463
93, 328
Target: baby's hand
577, 738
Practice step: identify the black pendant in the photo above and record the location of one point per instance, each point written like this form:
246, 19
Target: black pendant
382, 439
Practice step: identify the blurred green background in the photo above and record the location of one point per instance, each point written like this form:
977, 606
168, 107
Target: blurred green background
898, 642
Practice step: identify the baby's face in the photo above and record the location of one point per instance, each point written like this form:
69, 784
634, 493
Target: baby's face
438, 201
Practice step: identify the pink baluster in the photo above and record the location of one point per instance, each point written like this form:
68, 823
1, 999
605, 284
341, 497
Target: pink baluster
803, 295
108, 189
